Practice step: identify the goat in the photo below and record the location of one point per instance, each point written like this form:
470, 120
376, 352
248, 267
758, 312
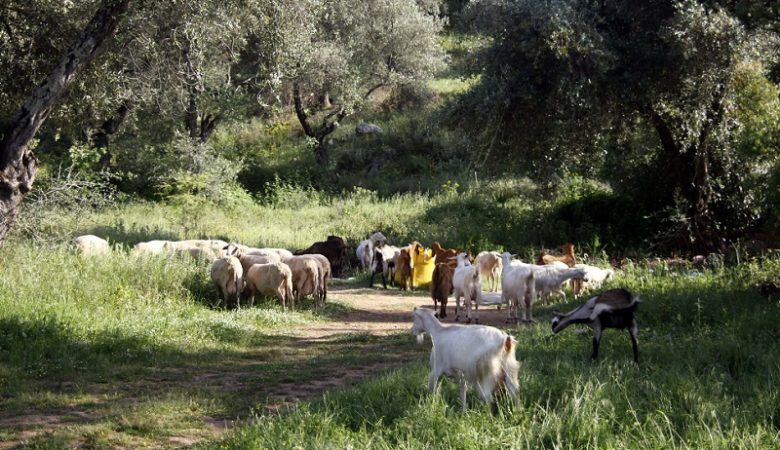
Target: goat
466, 283
595, 276
517, 285
614, 308
567, 258
479, 355
443, 255
384, 264
441, 287
490, 267
549, 279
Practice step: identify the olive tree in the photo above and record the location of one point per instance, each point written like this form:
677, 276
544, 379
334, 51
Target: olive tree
564, 77
334, 55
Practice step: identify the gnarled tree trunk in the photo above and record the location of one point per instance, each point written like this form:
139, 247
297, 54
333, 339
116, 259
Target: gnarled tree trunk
328, 126
17, 162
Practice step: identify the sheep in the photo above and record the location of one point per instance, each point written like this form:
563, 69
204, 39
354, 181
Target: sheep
517, 285
384, 263
247, 259
334, 248
479, 355
614, 308
90, 245
447, 256
567, 258
595, 276
325, 274
227, 276
441, 287
548, 279
150, 248
466, 282
306, 276
272, 278
490, 267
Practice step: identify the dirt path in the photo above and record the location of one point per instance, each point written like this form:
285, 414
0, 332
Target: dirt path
292, 366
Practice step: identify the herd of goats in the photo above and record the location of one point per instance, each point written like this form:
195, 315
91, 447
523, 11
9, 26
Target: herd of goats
477, 355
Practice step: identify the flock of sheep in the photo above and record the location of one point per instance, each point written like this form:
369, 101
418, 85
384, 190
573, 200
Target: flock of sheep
239, 272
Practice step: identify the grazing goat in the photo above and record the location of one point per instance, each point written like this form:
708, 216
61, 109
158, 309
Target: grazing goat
466, 283
594, 276
614, 308
443, 255
490, 267
548, 279
441, 287
567, 258
479, 355
517, 285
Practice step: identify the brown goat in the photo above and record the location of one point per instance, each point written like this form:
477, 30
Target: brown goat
404, 265
567, 258
443, 255
441, 287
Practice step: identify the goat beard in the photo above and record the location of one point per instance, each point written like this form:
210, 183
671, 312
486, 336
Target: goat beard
420, 338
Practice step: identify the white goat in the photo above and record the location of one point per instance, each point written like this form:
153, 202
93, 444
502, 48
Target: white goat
548, 279
466, 283
384, 263
365, 251
517, 286
490, 267
479, 355
596, 276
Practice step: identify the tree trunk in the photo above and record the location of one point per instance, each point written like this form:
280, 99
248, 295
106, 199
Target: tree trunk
321, 153
689, 174
17, 162
100, 138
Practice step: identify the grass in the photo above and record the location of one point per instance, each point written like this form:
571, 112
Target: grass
708, 379
125, 352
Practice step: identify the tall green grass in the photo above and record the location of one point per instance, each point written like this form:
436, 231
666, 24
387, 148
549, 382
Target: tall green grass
708, 378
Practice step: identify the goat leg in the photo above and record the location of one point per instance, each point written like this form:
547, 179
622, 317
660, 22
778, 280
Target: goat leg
596, 338
633, 330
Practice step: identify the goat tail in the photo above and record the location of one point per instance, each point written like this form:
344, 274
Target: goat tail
510, 367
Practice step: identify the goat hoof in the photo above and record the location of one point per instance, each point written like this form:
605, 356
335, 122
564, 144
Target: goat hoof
468, 321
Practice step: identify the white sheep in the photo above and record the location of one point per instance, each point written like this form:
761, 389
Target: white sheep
466, 283
479, 355
227, 276
324, 276
90, 245
549, 279
306, 276
490, 267
517, 286
247, 259
596, 276
270, 279
155, 247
